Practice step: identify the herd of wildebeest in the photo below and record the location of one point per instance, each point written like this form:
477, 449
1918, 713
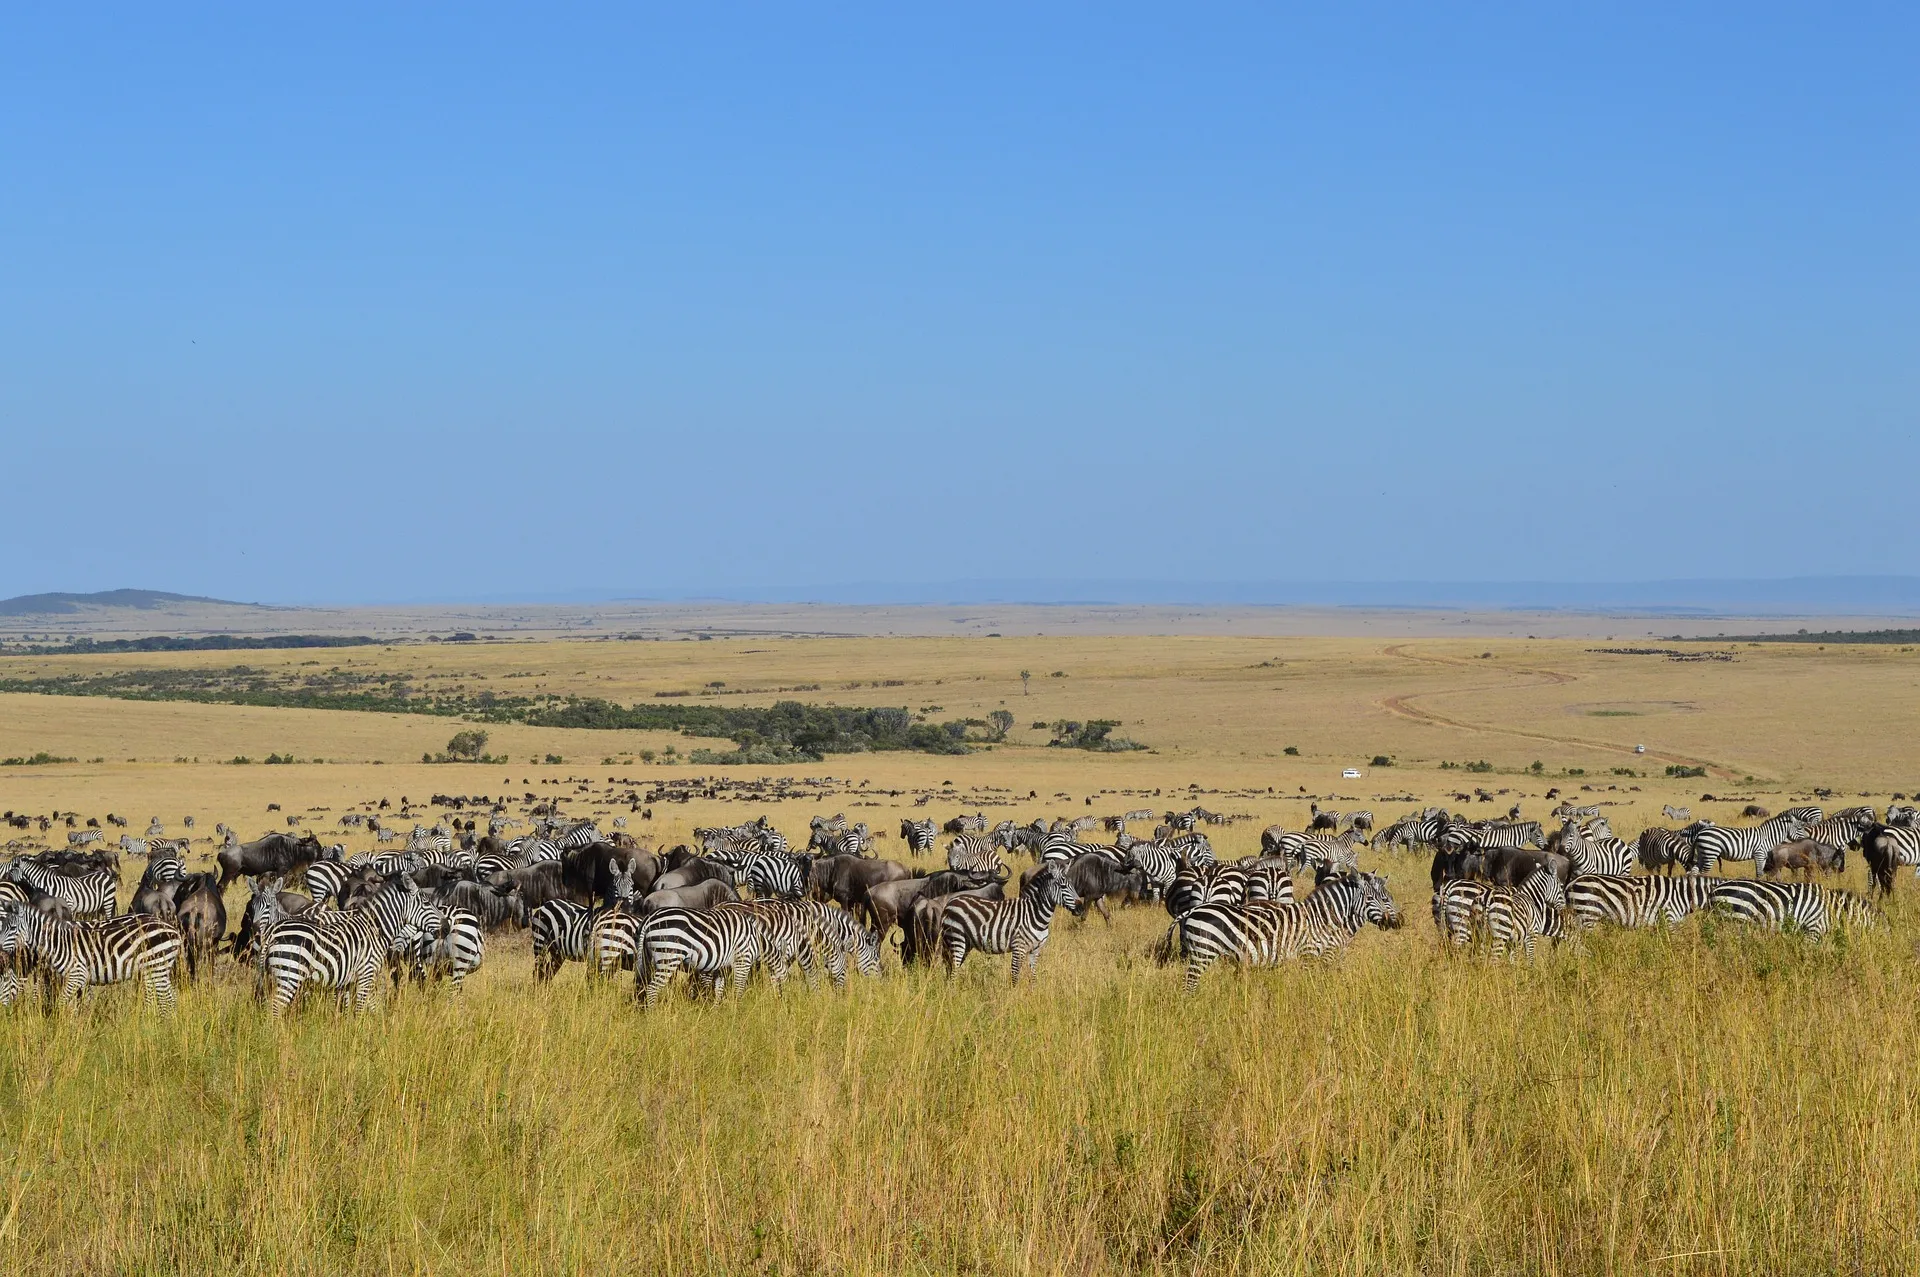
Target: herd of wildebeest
740, 897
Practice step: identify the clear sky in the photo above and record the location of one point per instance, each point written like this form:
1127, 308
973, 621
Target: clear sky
397, 301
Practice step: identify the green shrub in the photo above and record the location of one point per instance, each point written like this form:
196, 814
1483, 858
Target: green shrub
1681, 771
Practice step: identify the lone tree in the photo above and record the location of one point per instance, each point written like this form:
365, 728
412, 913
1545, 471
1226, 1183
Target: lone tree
1002, 720
467, 745
1024, 676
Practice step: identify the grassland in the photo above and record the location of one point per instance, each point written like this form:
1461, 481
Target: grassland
1702, 1102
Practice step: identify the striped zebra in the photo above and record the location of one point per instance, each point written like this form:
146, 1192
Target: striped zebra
87, 895
1491, 835
919, 836
1885, 848
1019, 926
1156, 862
584, 834
1899, 815
613, 941
451, 945
343, 949
1302, 850
1460, 910
1843, 830
709, 944
1715, 843
772, 873
1595, 851
1515, 915
1413, 832
1191, 847
73, 956
1681, 814
974, 855
162, 868
1264, 935
327, 882
1662, 849
1782, 905
1635, 903
560, 929
838, 936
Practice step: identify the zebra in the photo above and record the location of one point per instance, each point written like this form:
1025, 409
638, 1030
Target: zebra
1518, 914
451, 943
919, 836
1886, 848
343, 949
1596, 853
1681, 814
1303, 849
838, 935
1664, 848
163, 866
1781, 905
1156, 862
87, 895
1842, 830
581, 835
1714, 843
76, 955
1264, 935
772, 873
974, 855
1019, 926
1412, 832
327, 881
1460, 909
1191, 847
1492, 835
1637, 902
707, 943
1899, 816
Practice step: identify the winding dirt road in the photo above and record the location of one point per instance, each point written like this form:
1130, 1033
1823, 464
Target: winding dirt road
1403, 707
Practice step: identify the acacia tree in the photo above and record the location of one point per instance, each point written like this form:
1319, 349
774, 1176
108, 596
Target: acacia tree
1024, 676
467, 745
1002, 720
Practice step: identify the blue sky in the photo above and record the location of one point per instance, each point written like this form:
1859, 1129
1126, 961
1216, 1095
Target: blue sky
389, 302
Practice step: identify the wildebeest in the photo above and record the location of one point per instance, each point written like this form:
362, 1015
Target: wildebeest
202, 917
1510, 866
1094, 878
846, 880
1803, 856
695, 869
700, 895
493, 909
273, 854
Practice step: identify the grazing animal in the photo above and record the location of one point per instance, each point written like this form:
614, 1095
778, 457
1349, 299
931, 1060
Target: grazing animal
1264, 935
1019, 927
709, 944
1715, 843
344, 949
1637, 902
1803, 856
919, 836
87, 895
70, 957
1780, 905
1886, 848
273, 854
1681, 814
201, 915
970, 854
1515, 915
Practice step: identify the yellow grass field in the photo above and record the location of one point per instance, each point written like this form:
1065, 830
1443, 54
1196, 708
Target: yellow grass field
1706, 1101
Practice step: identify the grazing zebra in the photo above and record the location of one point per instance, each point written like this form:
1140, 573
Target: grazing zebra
327, 882
1886, 848
1156, 862
1567, 811
836, 936
1518, 914
451, 944
772, 873
1899, 816
1264, 935
1637, 902
1191, 847
1662, 849
1491, 835
581, 835
343, 949
919, 836
1019, 926
1460, 909
1715, 843
1681, 814
1411, 832
707, 943
1596, 853
88, 895
974, 855
76, 955
1842, 830
162, 868
1335, 854
1781, 905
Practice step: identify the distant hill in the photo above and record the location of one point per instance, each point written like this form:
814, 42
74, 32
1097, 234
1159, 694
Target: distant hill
67, 604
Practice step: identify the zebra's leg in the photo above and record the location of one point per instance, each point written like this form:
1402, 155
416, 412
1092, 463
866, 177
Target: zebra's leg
1197, 964
73, 984
160, 984
285, 989
743, 969
1018, 952
956, 954
363, 987
658, 972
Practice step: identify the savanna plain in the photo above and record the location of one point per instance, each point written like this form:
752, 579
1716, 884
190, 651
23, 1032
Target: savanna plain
1698, 1100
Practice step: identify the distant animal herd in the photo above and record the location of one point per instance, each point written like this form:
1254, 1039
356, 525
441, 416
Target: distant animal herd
739, 899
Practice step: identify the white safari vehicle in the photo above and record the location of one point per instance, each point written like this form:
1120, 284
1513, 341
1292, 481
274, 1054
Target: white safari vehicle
1352, 773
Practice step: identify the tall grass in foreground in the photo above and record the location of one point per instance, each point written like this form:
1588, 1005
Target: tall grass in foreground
1706, 1102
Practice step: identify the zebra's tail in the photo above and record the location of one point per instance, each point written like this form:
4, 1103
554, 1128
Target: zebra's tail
1167, 947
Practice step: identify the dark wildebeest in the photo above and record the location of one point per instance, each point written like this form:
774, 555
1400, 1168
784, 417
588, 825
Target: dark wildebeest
700, 895
1450, 866
202, 916
1803, 856
493, 909
846, 880
155, 900
692, 871
273, 854
1511, 866
592, 869
537, 884
889, 902
1094, 877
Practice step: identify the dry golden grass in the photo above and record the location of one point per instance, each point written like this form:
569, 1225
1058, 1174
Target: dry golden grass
1702, 1102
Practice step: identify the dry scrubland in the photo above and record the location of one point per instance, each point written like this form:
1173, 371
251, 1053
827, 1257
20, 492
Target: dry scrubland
1707, 1101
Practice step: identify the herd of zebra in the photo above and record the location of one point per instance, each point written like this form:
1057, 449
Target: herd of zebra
740, 898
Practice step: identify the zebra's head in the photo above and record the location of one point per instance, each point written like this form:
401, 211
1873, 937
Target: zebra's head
1377, 902
1050, 890
866, 951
